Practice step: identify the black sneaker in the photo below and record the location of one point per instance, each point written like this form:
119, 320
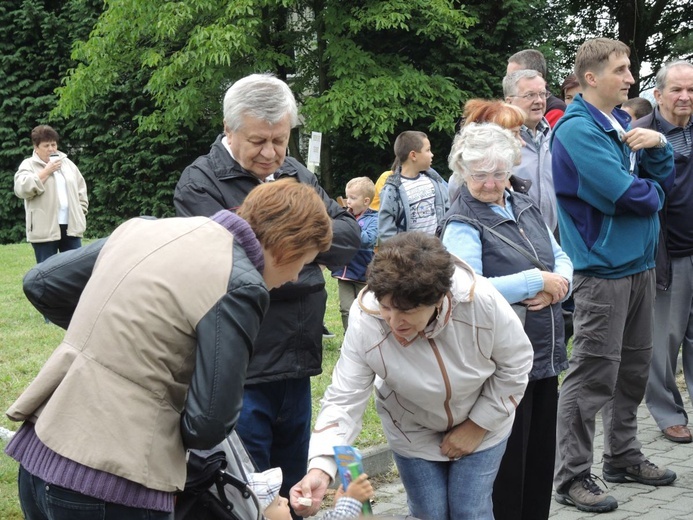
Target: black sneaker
584, 493
326, 334
645, 473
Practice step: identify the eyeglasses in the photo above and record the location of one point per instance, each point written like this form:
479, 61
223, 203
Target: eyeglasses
531, 96
483, 177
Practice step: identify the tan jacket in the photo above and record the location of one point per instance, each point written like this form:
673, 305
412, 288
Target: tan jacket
112, 395
472, 362
41, 199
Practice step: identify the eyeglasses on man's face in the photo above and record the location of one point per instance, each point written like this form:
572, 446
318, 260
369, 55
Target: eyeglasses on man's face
531, 96
501, 175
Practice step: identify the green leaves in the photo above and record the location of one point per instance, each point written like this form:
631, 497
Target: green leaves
373, 106
135, 86
193, 49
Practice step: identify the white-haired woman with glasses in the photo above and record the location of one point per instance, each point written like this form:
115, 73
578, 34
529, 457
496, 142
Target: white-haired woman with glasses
502, 235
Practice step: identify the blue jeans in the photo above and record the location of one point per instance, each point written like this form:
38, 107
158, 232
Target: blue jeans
457, 490
43, 501
274, 426
44, 250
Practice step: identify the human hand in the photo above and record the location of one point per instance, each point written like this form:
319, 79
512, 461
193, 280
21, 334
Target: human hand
360, 488
340, 493
462, 440
639, 138
555, 285
539, 301
312, 487
50, 168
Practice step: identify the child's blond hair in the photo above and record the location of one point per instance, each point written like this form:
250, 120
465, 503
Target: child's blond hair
363, 185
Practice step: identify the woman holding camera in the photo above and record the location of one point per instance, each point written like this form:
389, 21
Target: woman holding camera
55, 196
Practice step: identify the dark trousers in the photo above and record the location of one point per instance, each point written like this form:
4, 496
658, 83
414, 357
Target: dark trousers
43, 501
44, 250
523, 487
275, 427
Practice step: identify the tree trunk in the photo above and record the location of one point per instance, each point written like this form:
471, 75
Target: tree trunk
629, 26
326, 177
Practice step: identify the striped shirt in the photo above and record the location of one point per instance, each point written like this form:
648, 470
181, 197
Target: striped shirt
679, 137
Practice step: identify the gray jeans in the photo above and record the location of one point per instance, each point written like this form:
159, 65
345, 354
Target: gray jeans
612, 347
673, 331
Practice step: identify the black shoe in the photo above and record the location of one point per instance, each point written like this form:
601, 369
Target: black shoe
326, 334
584, 493
644, 473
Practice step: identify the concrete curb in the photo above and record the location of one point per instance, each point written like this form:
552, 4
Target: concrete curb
377, 460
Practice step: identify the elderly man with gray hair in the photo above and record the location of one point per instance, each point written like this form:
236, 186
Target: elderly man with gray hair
533, 59
526, 89
259, 113
673, 117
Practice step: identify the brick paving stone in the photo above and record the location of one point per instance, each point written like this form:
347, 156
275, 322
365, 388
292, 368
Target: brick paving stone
674, 502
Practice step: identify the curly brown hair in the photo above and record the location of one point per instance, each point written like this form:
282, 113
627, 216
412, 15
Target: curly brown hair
413, 269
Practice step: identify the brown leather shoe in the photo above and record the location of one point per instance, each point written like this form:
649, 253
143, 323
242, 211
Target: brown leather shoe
678, 433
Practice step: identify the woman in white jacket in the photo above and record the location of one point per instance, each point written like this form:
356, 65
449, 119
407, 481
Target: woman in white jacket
449, 361
55, 196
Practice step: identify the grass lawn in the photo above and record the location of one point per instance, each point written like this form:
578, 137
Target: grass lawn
26, 342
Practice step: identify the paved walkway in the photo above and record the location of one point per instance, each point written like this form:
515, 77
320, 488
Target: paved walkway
674, 502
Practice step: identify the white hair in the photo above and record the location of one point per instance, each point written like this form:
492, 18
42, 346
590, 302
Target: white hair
511, 80
262, 96
482, 147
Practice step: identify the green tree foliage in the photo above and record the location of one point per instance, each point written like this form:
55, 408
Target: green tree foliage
129, 171
140, 96
194, 49
35, 39
362, 71
500, 28
655, 30
190, 51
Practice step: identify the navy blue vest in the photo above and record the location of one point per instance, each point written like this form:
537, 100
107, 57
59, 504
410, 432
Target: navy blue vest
545, 327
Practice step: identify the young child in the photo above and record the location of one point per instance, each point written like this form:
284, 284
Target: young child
351, 278
415, 196
348, 504
637, 107
266, 487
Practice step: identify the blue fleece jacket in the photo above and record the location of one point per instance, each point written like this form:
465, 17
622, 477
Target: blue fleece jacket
608, 197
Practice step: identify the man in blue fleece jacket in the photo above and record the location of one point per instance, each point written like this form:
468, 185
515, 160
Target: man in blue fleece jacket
610, 183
